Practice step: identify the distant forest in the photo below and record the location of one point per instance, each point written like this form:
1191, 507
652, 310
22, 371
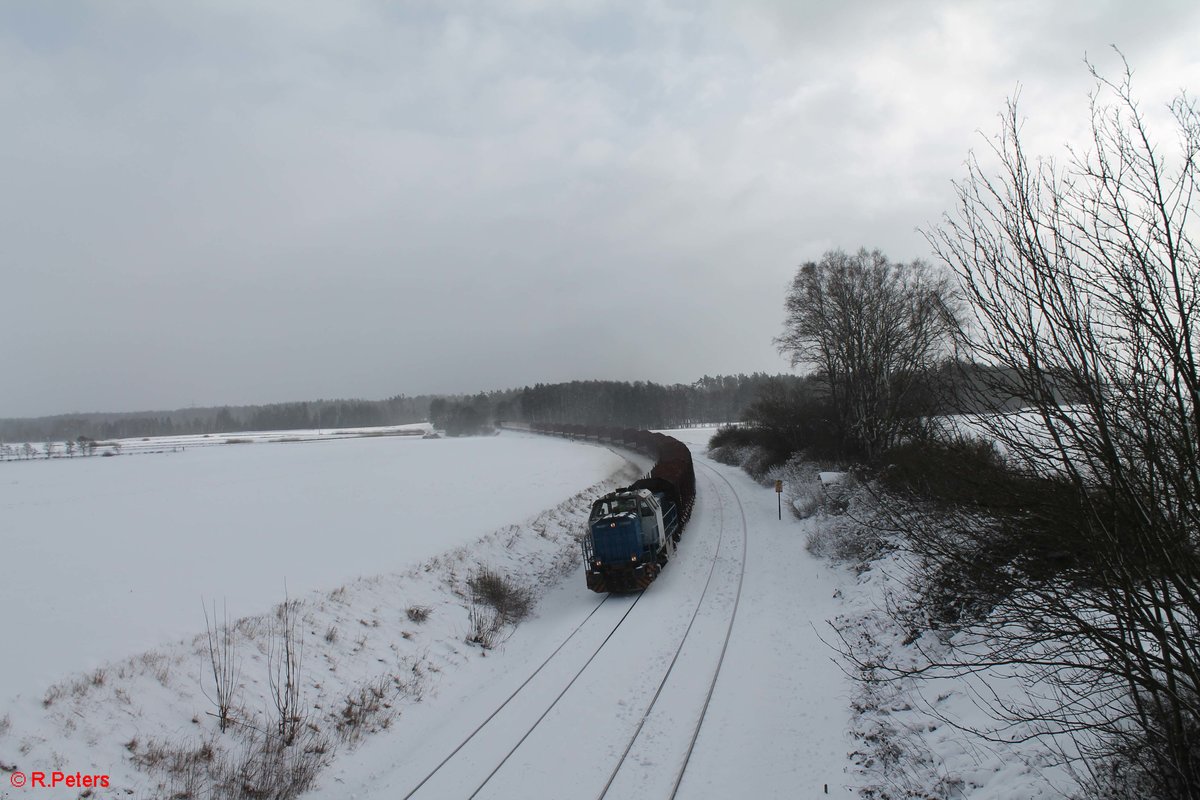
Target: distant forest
219, 419
708, 401
639, 404
643, 405
953, 388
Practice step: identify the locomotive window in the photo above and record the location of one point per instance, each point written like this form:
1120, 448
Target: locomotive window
646, 510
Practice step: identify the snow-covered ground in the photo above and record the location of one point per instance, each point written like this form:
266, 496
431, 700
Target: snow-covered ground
164, 444
916, 738
715, 682
727, 637
107, 557
563, 718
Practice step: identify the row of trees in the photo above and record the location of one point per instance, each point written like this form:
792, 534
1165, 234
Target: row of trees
640, 404
9, 452
1074, 557
69, 448
223, 419
615, 403
472, 416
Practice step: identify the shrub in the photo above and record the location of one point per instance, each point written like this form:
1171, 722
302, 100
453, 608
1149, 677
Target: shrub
787, 418
796, 417
854, 532
730, 435
261, 766
511, 602
958, 472
1039, 526
496, 601
739, 447
1132, 767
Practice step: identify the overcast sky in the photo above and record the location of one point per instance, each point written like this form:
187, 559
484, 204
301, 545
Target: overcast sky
245, 202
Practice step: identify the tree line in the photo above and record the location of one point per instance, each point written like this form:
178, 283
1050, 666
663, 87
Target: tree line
641, 404
637, 404
397, 410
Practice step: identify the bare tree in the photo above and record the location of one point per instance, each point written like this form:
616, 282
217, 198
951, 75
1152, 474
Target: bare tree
1083, 283
873, 329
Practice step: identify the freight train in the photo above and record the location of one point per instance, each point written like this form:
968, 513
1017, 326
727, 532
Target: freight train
632, 532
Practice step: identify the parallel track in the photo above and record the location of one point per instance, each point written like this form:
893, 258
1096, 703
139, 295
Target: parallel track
720, 661
534, 674
728, 632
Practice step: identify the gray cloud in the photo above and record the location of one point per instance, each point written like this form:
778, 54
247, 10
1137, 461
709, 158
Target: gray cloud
231, 202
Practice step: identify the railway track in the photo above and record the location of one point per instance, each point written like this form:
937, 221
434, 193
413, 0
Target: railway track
500, 708
641, 781
491, 748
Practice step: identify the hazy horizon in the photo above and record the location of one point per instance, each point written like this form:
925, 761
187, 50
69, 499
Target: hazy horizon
350, 398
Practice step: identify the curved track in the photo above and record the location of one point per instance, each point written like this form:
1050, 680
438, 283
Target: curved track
636, 778
573, 705
517, 691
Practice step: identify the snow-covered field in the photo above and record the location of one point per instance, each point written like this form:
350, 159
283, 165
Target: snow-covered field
716, 681
111, 556
717, 678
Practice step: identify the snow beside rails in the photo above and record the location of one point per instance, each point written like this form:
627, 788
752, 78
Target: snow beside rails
904, 746
776, 726
916, 737
233, 522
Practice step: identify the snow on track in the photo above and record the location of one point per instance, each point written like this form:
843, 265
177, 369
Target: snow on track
669, 729
737, 671
777, 725
469, 767
613, 662
685, 635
